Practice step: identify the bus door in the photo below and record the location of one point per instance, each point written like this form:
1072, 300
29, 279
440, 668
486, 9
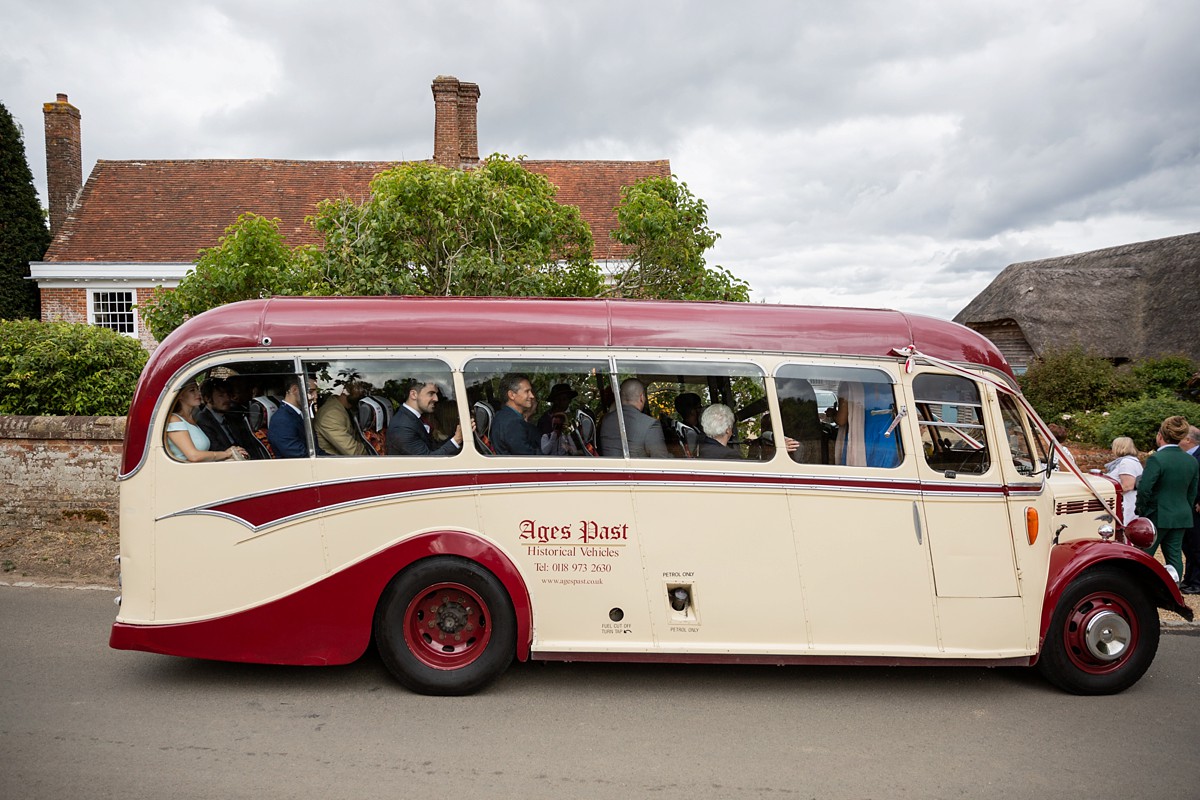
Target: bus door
855, 511
719, 559
966, 516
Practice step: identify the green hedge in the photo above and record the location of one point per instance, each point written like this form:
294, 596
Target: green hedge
1140, 419
66, 369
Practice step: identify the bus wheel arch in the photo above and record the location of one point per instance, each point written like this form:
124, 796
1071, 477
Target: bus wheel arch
1103, 633
446, 625
469, 546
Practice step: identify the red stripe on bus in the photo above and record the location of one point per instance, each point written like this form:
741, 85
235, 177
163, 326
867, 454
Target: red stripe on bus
270, 507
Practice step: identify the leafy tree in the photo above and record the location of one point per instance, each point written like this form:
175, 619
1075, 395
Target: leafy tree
430, 230
24, 235
1140, 419
249, 261
66, 369
667, 228
1072, 380
1163, 377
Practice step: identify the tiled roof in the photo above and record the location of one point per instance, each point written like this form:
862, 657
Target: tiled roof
165, 211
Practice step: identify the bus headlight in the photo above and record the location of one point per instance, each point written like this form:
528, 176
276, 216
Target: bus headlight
1140, 532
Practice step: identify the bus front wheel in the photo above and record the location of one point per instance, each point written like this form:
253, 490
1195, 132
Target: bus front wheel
445, 626
1102, 636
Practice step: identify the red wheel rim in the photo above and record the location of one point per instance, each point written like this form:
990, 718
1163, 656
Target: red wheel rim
447, 626
1101, 633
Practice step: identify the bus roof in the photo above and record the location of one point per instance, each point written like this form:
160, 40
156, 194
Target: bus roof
289, 323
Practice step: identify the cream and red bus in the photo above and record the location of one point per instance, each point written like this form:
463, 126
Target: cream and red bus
891, 498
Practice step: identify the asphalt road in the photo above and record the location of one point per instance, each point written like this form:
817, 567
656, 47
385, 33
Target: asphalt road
78, 720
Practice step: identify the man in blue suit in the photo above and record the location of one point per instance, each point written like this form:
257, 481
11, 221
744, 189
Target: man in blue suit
286, 430
408, 435
512, 434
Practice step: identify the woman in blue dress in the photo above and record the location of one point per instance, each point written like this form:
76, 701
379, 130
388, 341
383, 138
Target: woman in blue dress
185, 440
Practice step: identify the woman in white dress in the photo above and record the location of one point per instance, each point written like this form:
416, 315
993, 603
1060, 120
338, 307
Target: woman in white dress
1125, 468
185, 440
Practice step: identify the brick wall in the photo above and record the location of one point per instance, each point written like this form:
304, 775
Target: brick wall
64, 305
70, 305
58, 495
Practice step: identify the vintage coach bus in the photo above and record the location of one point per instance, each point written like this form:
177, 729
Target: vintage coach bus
887, 497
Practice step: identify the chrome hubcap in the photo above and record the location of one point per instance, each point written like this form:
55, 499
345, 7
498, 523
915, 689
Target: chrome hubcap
1107, 636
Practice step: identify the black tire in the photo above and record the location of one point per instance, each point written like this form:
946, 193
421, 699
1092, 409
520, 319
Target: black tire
1103, 634
445, 626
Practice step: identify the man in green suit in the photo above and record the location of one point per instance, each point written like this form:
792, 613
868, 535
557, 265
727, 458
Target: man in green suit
1167, 491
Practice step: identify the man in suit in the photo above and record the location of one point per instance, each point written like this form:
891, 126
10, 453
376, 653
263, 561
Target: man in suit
338, 433
644, 434
286, 430
1167, 491
512, 433
224, 421
1191, 539
408, 435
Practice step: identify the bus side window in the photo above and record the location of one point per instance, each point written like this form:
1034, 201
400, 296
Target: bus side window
359, 398
839, 415
228, 410
680, 401
555, 417
950, 414
1024, 455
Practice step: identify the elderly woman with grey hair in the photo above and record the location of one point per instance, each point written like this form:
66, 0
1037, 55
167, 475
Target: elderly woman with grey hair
717, 423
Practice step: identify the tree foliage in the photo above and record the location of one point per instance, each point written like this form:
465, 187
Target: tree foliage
1097, 402
251, 260
431, 230
667, 228
1164, 377
1072, 380
24, 235
66, 369
1140, 419
428, 230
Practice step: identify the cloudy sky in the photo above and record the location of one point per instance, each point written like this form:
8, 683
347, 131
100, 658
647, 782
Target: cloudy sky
851, 152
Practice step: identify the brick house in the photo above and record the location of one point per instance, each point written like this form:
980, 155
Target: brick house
137, 225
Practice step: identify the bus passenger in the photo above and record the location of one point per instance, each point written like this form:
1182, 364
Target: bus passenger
185, 440
644, 434
285, 431
801, 420
512, 433
717, 423
561, 396
337, 424
409, 434
224, 421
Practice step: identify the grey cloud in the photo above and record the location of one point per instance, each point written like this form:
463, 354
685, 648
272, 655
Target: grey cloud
854, 149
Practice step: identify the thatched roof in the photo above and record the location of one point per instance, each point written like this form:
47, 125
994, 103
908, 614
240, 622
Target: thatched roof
1129, 302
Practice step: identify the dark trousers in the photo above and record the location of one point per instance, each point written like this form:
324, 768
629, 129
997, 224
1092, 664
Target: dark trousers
1191, 555
1171, 541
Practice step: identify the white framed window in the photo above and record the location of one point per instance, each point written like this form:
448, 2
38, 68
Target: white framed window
113, 309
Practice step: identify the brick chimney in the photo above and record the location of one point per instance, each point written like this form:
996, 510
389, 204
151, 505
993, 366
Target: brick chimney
468, 104
455, 134
64, 159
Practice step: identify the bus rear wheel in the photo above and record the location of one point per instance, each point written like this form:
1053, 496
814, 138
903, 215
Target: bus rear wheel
1103, 635
445, 626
